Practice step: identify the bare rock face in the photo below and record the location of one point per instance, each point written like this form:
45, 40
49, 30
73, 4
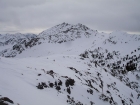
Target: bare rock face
69, 82
5, 101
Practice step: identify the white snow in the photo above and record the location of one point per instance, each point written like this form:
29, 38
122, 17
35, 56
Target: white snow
19, 75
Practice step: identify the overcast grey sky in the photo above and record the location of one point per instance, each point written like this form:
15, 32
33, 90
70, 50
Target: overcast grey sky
34, 16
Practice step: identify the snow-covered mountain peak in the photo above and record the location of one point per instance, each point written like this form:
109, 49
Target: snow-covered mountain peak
119, 34
66, 32
124, 36
65, 28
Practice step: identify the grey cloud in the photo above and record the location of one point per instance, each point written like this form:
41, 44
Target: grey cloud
103, 15
20, 3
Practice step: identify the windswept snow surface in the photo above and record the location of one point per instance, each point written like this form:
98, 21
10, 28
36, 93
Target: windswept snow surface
71, 64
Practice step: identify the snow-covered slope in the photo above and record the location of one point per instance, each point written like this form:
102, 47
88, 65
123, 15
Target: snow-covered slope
72, 64
12, 44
